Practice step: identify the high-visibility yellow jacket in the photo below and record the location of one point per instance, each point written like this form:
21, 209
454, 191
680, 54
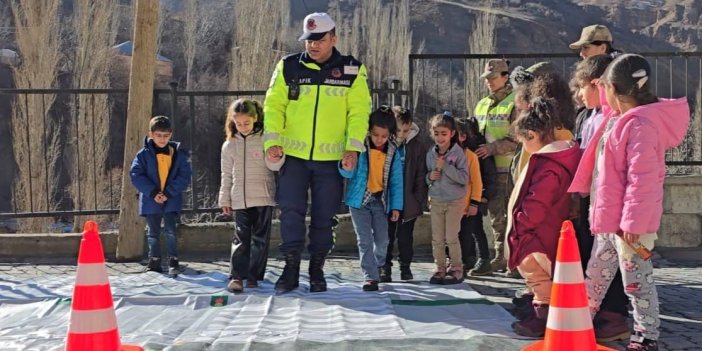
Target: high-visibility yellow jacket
317, 112
494, 121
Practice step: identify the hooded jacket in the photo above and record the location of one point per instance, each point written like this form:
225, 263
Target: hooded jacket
144, 176
539, 203
412, 154
631, 170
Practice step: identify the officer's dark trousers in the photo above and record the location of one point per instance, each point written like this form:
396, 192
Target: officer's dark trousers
326, 184
249, 253
615, 300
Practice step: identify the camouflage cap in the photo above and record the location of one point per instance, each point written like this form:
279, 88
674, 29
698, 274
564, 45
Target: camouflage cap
595, 32
494, 67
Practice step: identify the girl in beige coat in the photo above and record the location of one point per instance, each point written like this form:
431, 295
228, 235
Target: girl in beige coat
248, 189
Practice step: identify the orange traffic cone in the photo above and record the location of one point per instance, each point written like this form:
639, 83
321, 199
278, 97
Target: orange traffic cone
569, 324
93, 324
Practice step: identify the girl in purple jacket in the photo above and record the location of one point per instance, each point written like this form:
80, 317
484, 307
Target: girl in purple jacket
623, 169
538, 206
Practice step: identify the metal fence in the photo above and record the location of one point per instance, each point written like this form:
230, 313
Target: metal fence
198, 120
450, 82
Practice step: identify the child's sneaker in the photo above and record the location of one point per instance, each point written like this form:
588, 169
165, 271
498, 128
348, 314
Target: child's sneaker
438, 276
639, 343
482, 267
235, 286
454, 275
173, 266
154, 265
370, 285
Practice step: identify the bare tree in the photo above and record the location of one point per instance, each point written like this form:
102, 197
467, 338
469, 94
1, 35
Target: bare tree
95, 29
36, 136
197, 28
379, 35
481, 40
252, 61
5, 22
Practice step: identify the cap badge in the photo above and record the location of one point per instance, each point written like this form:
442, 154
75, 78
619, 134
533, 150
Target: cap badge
311, 24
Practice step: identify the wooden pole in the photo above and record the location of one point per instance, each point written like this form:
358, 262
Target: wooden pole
130, 241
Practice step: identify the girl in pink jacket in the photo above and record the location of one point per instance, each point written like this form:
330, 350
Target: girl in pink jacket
623, 169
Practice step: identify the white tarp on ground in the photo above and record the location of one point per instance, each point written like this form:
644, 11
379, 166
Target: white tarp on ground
195, 312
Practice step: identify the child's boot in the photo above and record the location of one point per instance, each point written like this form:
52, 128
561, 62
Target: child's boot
317, 281
154, 265
290, 278
534, 327
406, 273
385, 273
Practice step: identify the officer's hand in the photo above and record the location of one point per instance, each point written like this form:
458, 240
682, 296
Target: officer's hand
348, 163
483, 151
274, 153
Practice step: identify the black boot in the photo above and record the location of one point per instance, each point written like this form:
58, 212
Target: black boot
406, 273
385, 274
317, 282
290, 278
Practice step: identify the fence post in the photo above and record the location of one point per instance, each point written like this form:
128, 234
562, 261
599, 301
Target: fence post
396, 98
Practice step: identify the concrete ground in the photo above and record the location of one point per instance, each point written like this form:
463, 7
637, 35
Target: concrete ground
678, 276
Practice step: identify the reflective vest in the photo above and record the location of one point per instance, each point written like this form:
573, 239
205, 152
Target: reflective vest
317, 112
494, 124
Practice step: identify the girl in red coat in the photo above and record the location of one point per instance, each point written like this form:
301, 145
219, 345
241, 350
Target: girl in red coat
537, 207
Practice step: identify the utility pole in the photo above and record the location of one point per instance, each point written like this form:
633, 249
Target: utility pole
130, 241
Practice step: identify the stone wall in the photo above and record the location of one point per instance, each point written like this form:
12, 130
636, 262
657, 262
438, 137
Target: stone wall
681, 227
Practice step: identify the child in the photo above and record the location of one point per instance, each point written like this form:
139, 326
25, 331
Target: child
412, 151
623, 169
161, 172
610, 322
447, 180
472, 234
374, 190
248, 188
538, 206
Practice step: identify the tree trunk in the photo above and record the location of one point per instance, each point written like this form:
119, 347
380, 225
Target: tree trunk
130, 242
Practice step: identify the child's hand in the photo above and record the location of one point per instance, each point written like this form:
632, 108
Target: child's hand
227, 210
472, 210
631, 238
348, 162
440, 162
394, 215
435, 175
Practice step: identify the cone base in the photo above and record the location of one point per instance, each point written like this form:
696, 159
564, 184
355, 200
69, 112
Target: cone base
131, 348
541, 346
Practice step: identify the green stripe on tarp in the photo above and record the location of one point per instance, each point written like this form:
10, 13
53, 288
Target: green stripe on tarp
442, 302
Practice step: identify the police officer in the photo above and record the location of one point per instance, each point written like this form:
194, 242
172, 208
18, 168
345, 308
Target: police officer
495, 113
316, 114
